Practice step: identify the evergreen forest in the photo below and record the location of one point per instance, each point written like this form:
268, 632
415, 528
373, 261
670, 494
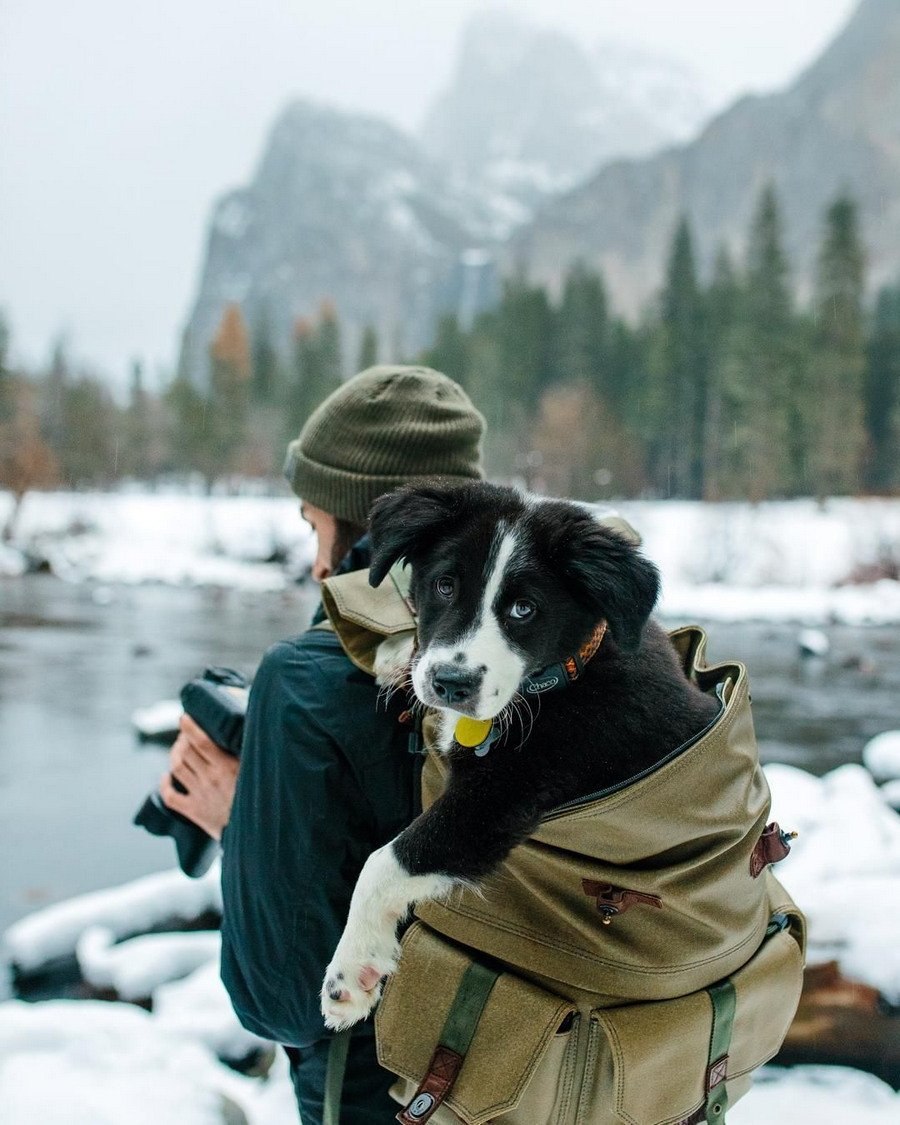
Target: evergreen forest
728, 388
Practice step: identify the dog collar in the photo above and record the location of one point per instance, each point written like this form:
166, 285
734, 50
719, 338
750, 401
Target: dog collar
479, 735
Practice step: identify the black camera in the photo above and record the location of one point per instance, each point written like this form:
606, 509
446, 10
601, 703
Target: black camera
217, 702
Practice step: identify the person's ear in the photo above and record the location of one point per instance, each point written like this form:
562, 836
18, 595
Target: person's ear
607, 574
405, 522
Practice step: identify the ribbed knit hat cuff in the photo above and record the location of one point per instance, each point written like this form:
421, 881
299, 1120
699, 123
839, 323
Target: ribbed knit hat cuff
349, 495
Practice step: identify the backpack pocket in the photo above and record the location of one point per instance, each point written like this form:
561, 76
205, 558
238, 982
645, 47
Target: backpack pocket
683, 1061
523, 1042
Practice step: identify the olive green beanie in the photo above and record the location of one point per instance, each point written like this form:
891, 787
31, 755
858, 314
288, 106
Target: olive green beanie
385, 427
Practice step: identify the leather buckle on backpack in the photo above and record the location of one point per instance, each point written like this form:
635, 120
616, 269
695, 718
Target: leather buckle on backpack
434, 1087
612, 900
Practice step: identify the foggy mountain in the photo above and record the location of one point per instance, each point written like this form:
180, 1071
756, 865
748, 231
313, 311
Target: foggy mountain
395, 230
342, 207
530, 111
837, 128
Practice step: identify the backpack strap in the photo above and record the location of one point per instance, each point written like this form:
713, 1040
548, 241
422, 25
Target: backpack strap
723, 998
335, 1068
453, 1044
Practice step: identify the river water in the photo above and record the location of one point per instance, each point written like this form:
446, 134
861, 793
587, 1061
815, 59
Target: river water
76, 660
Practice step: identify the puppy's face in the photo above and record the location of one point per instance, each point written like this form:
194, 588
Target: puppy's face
503, 586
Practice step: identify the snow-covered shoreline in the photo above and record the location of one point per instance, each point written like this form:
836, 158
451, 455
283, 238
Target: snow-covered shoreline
788, 561
112, 1062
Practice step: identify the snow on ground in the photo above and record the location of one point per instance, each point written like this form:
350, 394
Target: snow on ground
817, 1095
158, 719
779, 561
881, 756
111, 1062
81, 1062
134, 968
199, 1008
847, 852
176, 539
131, 909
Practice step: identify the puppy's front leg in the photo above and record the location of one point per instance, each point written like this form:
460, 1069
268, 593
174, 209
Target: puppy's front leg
460, 839
368, 949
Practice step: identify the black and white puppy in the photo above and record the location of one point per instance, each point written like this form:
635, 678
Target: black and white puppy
505, 586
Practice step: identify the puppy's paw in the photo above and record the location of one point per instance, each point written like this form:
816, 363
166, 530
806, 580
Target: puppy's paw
352, 988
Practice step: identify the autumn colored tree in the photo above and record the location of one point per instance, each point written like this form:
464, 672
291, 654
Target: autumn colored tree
229, 389
579, 447
26, 462
328, 345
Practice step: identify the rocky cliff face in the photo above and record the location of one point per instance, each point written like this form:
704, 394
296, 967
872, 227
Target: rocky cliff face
395, 230
837, 128
342, 207
530, 111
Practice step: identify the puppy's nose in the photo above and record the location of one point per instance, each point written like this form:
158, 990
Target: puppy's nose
453, 685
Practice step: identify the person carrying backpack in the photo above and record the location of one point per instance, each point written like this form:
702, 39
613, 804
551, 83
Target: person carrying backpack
325, 776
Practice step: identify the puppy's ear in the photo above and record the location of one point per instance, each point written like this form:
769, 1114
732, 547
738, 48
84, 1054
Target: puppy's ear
405, 521
607, 573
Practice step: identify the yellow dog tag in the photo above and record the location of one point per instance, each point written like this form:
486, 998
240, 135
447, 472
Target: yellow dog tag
472, 732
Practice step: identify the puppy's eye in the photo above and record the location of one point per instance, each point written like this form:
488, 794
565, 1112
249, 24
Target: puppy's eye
521, 610
445, 586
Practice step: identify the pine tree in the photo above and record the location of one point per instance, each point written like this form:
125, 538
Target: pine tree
755, 389
191, 444
55, 383
368, 349
724, 306
93, 434
315, 370
836, 395
882, 395
582, 343
450, 351
134, 458
525, 329
681, 392
265, 379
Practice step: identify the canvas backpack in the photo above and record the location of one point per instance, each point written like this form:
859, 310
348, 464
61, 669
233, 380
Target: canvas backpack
633, 962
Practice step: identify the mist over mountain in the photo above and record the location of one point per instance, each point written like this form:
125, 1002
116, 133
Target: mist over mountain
396, 230
531, 111
342, 207
835, 129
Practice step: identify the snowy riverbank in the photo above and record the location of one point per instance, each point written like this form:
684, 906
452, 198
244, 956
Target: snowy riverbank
111, 1062
787, 561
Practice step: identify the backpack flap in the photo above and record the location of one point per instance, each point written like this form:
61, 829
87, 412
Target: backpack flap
463, 1034
363, 617
682, 1061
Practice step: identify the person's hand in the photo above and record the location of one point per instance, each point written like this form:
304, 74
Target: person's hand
206, 772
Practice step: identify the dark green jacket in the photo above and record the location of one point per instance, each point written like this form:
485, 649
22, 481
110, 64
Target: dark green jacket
325, 779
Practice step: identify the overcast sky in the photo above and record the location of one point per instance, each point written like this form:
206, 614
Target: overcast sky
121, 122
